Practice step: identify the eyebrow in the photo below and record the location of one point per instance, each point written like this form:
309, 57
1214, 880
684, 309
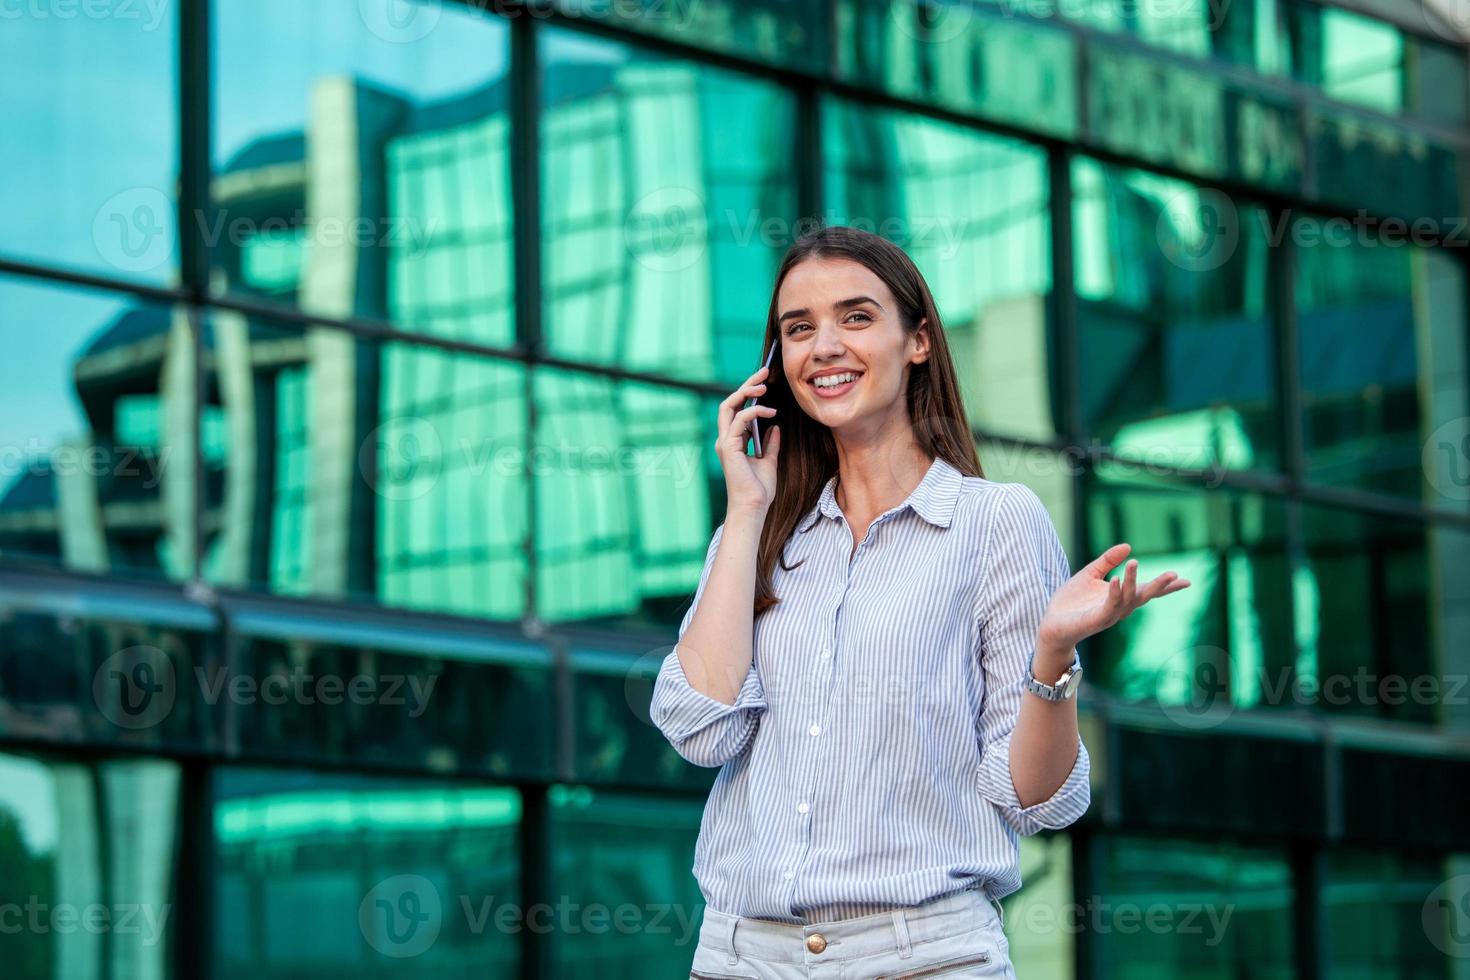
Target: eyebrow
841, 304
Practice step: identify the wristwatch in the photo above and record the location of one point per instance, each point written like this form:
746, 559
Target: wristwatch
1064, 688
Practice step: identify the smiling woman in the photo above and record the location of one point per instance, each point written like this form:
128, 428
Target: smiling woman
873, 604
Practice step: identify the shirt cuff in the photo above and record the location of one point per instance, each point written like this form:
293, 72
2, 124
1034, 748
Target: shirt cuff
704, 730
1061, 809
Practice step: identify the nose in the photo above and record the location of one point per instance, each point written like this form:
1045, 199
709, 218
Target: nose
828, 343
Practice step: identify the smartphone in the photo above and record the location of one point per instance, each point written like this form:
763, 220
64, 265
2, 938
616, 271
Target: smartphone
755, 432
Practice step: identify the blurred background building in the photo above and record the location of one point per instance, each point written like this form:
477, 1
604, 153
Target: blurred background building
359, 370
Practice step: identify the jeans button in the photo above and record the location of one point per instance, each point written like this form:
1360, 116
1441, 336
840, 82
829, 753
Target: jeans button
816, 942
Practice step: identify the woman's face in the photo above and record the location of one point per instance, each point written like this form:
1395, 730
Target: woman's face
836, 317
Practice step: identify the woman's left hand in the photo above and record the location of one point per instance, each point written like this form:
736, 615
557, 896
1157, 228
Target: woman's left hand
1089, 602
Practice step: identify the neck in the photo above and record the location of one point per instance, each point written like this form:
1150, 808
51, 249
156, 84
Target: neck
873, 479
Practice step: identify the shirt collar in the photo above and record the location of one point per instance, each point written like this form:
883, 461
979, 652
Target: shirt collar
934, 499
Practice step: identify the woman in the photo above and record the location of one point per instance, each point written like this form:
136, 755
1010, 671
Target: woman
871, 617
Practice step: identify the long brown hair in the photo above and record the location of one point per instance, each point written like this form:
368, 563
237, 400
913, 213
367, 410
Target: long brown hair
808, 451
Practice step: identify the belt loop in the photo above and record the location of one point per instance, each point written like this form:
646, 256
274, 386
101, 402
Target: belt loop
901, 933
731, 957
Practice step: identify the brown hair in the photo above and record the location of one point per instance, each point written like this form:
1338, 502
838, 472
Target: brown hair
808, 451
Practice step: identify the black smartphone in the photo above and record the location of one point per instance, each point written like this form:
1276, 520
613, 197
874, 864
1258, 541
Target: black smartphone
755, 431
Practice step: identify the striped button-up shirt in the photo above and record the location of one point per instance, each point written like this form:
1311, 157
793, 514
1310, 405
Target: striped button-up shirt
865, 762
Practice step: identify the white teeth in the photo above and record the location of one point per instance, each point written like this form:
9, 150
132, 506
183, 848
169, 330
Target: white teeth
833, 380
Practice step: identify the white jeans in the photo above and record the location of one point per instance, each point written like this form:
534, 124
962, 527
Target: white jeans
955, 936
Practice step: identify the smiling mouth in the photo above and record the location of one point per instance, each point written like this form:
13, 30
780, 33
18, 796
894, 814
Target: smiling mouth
832, 391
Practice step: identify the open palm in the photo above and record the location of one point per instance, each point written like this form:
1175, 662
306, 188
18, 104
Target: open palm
1089, 602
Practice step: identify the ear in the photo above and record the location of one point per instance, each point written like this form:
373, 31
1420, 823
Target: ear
921, 340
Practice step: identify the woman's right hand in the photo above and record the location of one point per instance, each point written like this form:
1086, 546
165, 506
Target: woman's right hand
750, 481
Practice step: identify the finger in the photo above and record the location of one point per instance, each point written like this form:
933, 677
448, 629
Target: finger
1115, 594
1108, 560
738, 397
739, 430
1130, 584
771, 445
1170, 589
1156, 587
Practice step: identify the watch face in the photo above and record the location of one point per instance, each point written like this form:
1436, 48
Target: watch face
1072, 682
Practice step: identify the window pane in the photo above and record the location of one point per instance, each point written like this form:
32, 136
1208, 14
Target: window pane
790, 34
971, 210
1376, 912
324, 875
350, 468
411, 698
1050, 475
96, 391
1224, 637
1036, 917
1383, 364
363, 168
1375, 597
625, 496
668, 199
88, 92
1237, 902
84, 849
1176, 334
626, 863
979, 59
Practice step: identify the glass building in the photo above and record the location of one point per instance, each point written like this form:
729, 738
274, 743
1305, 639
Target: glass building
361, 360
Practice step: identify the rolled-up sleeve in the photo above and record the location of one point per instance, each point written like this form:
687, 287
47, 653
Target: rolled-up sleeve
705, 731
1026, 565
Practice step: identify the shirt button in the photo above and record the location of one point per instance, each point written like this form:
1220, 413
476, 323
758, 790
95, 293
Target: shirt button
815, 729
802, 807
826, 654
789, 875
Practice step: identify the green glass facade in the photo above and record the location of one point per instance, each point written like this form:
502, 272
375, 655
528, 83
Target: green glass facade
360, 374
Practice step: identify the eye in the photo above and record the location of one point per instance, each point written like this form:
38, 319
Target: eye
795, 327
861, 314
